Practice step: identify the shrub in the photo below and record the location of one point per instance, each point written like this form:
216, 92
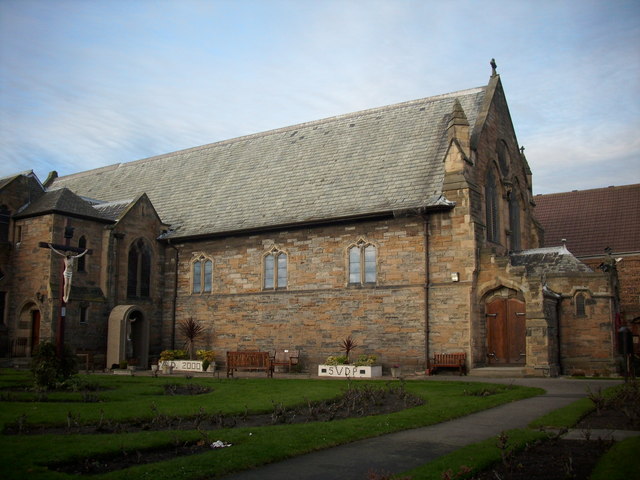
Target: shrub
173, 355
337, 360
208, 355
365, 360
48, 370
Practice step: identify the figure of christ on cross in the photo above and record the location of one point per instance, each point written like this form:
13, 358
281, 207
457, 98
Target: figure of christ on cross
67, 252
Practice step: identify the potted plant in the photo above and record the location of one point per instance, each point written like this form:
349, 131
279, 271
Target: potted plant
208, 358
395, 370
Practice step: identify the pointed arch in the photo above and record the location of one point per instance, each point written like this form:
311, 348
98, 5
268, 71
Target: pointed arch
362, 263
201, 274
275, 269
139, 269
492, 207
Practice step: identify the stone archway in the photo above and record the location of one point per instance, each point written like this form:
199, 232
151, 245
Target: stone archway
506, 332
128, 336
505, 328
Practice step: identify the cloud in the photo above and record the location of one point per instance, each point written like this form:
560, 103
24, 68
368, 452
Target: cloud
84, 85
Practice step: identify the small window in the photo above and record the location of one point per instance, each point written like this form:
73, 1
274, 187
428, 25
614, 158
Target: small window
275, 270
580, 305
202, 275
84, 314
5, 215
3, 302
362, 263
82, 261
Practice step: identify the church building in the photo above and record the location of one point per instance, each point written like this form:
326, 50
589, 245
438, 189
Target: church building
409, 227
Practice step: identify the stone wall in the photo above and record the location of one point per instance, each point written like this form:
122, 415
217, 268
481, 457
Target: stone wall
319, 308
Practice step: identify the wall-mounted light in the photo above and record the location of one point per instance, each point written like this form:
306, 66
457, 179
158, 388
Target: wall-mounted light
455, 277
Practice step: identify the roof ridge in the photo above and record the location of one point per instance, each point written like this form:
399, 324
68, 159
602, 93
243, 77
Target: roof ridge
610, 187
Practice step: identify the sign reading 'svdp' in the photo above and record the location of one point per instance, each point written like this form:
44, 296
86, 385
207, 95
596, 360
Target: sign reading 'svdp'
350, 371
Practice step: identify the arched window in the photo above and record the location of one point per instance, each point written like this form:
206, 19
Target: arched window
5, 215
362, 263
491, 201
514, 221
82, 261
139, 269
580, 305
202, 275
275, 269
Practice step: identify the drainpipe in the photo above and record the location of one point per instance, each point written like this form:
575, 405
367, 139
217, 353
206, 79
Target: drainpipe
175, 296
426, 290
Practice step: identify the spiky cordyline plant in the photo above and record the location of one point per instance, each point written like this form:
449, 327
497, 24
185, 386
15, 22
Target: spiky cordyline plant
348, 344
191, 329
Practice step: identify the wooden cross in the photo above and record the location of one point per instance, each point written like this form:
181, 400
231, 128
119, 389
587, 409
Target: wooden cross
68, 252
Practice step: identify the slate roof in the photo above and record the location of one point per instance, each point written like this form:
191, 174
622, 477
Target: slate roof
113, 210
61, 201
540, 261
361, 164
591, 220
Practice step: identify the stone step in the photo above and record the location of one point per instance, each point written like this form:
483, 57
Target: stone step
497, 372
15, 362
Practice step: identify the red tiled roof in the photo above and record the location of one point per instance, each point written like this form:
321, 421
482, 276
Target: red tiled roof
591, 220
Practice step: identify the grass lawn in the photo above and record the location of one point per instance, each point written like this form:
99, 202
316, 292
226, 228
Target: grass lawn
123, 398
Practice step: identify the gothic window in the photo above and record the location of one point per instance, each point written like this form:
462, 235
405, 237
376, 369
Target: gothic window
491, 200
514, 221
362, 263
580, 305
275, 269
81, 261
139, 269
202, 275
503, 156
5, 215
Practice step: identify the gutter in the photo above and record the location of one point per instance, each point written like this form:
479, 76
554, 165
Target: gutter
427, 280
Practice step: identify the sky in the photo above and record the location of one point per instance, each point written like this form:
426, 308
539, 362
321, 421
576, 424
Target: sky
89, 83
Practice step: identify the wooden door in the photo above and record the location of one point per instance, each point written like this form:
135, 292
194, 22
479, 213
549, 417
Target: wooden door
35, 329
506, 332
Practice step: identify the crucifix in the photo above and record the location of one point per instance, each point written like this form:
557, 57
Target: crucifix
70, 254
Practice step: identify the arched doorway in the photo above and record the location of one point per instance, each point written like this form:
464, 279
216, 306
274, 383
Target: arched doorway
128, 336
506, 332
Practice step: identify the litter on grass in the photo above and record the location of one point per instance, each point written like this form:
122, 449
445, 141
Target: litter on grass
220, 444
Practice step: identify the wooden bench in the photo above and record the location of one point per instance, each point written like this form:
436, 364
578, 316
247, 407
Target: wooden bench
249, 360
286, 358
448, 360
